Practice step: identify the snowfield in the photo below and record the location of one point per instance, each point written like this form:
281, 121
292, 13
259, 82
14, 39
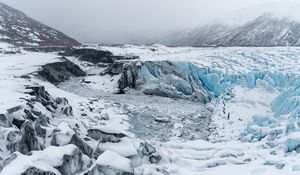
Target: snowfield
249, 126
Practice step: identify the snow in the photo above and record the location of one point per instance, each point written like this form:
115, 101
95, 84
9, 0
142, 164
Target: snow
254, 123
125, 147
114, 160
46, 160
14, 66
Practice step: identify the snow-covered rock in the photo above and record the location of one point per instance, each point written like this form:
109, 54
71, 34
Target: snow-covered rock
65, 160
60, 71
105, 134
64, 135
96, 56
110, 163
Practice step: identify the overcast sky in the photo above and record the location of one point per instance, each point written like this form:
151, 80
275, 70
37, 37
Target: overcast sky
116, 20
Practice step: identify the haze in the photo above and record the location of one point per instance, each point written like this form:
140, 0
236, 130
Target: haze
120, 21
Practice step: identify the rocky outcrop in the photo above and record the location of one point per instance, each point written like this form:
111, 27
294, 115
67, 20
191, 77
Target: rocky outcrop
32, 119
60, 71
161, 78
96, 56
104, 135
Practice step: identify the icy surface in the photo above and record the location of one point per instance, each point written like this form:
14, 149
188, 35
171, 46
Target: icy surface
250, 126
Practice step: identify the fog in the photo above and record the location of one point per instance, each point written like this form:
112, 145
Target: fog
119, 21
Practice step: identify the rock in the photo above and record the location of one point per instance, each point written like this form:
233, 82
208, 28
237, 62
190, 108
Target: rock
72, 163
40, 131
84, 147
110, 163
4, 121
125, 148
65, 160
65, 108
28, 141
12, 138
18, 122
114, 69
36, 171
8, 160
280, 165
105, 135
154, 158
148, 149
60, 71
64, 135
96, 56
14, 109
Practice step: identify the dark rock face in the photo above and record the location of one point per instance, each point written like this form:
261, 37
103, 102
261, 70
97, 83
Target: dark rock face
114, 69
28, 141
149, 151
4, 121
104, 137
85, 148
72, 164
60, 71
96, 56
162, 78
75, 140
20, 30
36, 171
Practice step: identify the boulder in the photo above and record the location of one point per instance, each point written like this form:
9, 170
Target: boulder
150, 151
110, 163
64, 135
28, 140
105, 135
65, 160
4, 121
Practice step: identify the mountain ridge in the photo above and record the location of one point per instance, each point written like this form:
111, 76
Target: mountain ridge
18, 29
264, 31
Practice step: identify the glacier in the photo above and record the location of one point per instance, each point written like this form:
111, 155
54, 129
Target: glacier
182, 111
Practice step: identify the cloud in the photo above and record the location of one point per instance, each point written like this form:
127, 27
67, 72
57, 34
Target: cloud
119, 20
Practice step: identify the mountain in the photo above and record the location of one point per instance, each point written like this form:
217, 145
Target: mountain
265, 30
18, 29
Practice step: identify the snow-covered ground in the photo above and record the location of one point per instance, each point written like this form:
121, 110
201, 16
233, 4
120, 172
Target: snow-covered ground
253, 129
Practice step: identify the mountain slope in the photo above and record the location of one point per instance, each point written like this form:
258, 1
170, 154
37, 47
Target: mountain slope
18, 29
266, 30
